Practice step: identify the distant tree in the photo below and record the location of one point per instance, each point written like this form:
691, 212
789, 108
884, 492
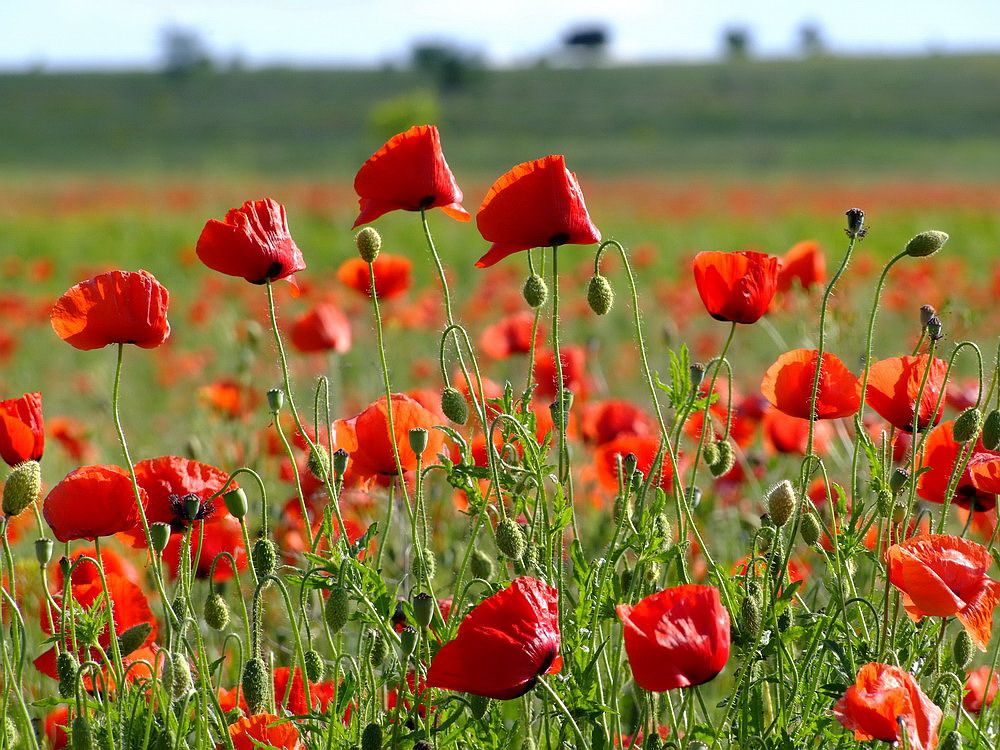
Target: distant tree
183, 52
447, 65
736, 43
587, 43
811, 42
399, 113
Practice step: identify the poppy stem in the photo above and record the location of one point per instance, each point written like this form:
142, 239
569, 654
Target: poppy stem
564, 477
581, 742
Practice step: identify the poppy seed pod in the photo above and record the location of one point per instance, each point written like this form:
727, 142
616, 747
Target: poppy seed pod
216, 611
337, 609
255, 684
926, 243
423, 609
454, 405
535, 291
43, 550
934, 328
340, 459
236, 502
314, 665
600, 295
510, 539
967, 425
926, 313
408, 640
319, 461
159, 535
697, 373
418, 440
23, 486
855, 222
898, 479
369, 244
275, 400
781, 502
952, 741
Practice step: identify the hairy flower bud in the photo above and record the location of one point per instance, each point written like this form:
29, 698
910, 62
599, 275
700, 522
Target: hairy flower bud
725, 459
23, 486
66, 667
376, 650
750, 615
134, 637
962, 649
600, 295
179, 671
424, 565
952, 741
967, 425
926, 243
314, 665
510, 539
318, 462
535, 291
337, 609
264, 556
810, 529
369, 243
781, 502
216, 611
255, 682
371, 737
83, 735
454, 406
481, 565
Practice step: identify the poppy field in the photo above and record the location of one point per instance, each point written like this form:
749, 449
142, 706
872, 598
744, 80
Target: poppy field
500, 474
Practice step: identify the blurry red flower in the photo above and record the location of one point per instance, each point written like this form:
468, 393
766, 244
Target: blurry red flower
785, 434
295, 702
228, 397
56, 722
607, 420
392, 275
574, 371
788, 385
736, 287
676, 638
117, 307
881, 698
976, 693
86, 571
644, 448
252, 242
510, 335
409, 173
941, 576
72, 436
893, 385
804, 263
974, 491
504, 644
22, 436
264, 730
536, 204
92, 501
324, 328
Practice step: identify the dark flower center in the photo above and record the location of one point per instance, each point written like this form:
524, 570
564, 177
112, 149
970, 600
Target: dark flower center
559, 239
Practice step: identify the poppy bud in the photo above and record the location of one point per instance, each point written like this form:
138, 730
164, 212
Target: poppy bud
255, 684
855, 222
750, 615
43, 551
510, 539
159, 535
478, 705
725, 460
899, 511
337, 609
23, 486
898, 479
765, 536
693, 496
314, 665
481, 565
423, 609
66, 667
991, 430
134, 637
697, 374
567, 404
236, 502
319, 461
781, 502
952, 741
934, 328
10, 732
600, 295
661, 528
180, 676
962, 649
926, 243
371, 737
967, 425
264, 556
626, 579
407, 640
535, 291
83, 735
275, 400
711, 453
428, 565
369, 243
454, 405
810, 529
418, 440
216, 611
786, 619
376, 649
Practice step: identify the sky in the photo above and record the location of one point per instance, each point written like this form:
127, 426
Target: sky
110, 34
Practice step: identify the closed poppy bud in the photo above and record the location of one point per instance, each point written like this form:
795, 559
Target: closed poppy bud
134, 637
991, 430
180, 676
83, 735
314, 665
376, 650
340, 459
926, 243
750, 615
236, 502
407, 640
275, 400
423, 609
369, 243
64, 566
454, 406
478, 705
23, 486
952, 741
216, 611
810, 529
962, 649
319, 461
781, 502
725, 459
481, 565
899, 511
535, 291
711, 453
510, 539
337, 609
159, 535
264, 556
43, 551
255, 684
967, 425
600, 295
424, 565
66, 668
371, 737
418, 440
629, 462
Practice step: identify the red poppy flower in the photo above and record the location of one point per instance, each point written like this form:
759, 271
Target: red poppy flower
574, 371
222, 534
117, 307
264, 730
941, 575
883, 697
676, 638
976, 693
788, 385
510, 335
323, 329
86, 571
644, 448
804, 263
392, 275
978, 484
504, 644
737, 287
536, 204
290, 697
56, 722
72, 436
22, 436
893, 385
252, 242
366, 438
608, 420
409, 173
92, 501
228, 397
785, 434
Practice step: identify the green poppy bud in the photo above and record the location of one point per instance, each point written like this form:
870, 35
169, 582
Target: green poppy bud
454, 406
781, 502
319, 461
926, 243
369, 243
10, 732
255, 683
661, 528
725, 461
377, 649
510, 539
810, 529
264, 557
424, 566
314, 665
750, 615
967, 425
711, 453
478, 705
236, 502
952, 741
83, 735
216, 611
600, 295
371, 737
962, 650
133, 638
66, 667
481, 565
337, 609
535, 291
23, 486
991, 430
180, 676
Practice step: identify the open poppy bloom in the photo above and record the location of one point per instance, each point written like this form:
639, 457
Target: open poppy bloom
736, 287
893, 385
574, 371
536, 204
92, 501
788, 385
323, 329
883, 697
978, 692
264, 730
117, 307
252, 242
676, 638
644, 448
22, 435
408, 173
614, 418
392, 275
222, 534
978, 485
504, 644
804, 263
510, 335
940, 576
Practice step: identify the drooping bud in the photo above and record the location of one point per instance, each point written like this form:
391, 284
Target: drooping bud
275, 400
236, 502
180, 676
898, 479
319, 461
810, 529
314, 665
481, 565
159, 535
725, 459
600, 295
711, 453
255, 682
750, 615
337, 609
454, 406
43, 550
991, 430
962, 649
510, 539
371, 737
83, 735
424, 565
264, 556
340, 459
967, 425
926, 243
23, 486
134, 637
408, 640
855, 223
216, 611
418, 440
781, 502
423, 609
535, 291
369, 243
